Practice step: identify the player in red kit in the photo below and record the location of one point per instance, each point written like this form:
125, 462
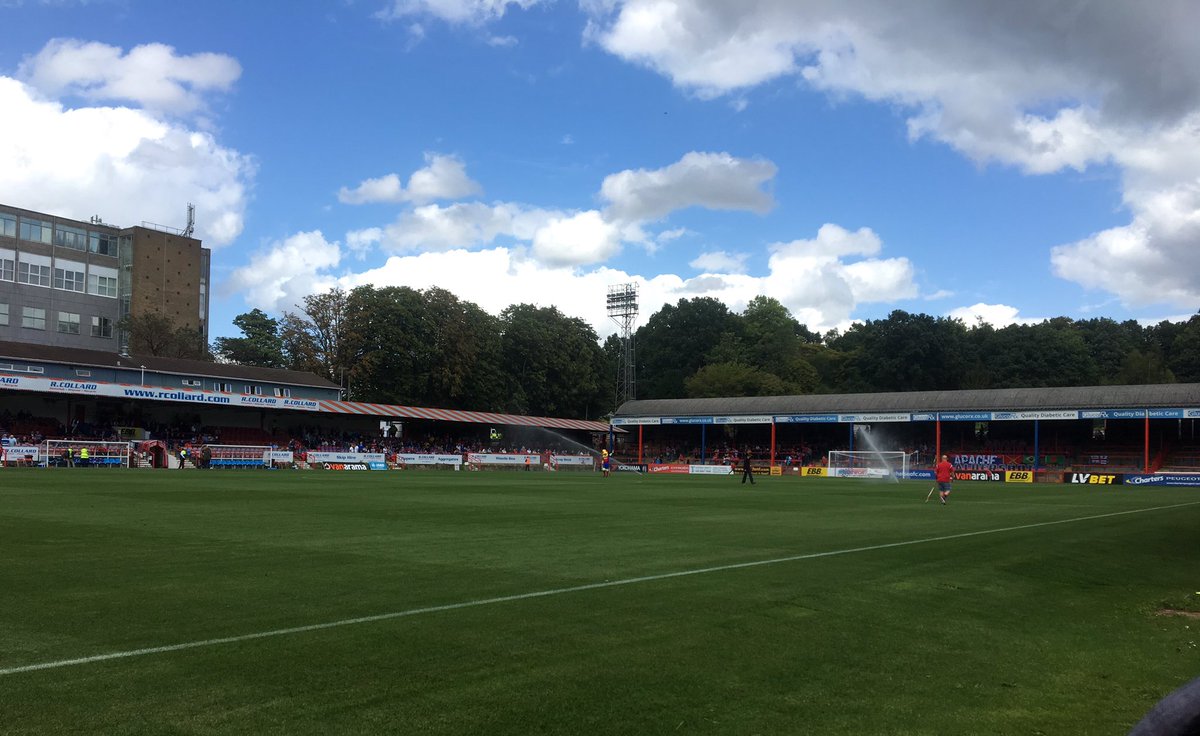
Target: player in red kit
944, 473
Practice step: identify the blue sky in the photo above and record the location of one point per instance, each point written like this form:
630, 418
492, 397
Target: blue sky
1014, 162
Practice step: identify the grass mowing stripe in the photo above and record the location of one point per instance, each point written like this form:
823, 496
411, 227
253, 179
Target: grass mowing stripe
555, 591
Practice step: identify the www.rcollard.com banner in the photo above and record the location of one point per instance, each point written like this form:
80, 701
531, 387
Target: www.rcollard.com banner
123, 391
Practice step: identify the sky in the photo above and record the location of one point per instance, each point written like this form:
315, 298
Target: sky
1005, 162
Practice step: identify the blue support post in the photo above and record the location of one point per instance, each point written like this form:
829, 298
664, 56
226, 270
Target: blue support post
1036, 425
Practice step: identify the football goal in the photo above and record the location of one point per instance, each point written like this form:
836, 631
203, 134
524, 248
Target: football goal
892, 464
85, 454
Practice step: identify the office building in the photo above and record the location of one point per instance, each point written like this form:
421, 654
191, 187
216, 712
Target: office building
69, 283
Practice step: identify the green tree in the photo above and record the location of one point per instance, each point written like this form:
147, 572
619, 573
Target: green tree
1184, 354
733, 379
464, 353
387, 341
1109, 343
775, 344
1143, 367
259, 345
315, 339
1048, 354
675, 342
552, 364
905, 352
154, 333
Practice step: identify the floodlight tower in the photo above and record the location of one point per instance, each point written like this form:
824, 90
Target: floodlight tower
623, 309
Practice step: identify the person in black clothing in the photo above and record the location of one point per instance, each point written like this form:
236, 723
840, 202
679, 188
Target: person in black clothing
746, 472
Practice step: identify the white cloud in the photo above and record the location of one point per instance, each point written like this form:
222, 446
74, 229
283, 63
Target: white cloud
559, 237
280, 275
939, 294
576, 240
819, 286
720, 262
716, 181
462, 225
1040, 86
996, 315
360, 242
124, 164
443, 177
152, 75
502, 41
467, 12
812, 277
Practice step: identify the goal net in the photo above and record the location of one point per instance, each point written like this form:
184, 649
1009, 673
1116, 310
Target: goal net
234, 456
84, 454
892, 464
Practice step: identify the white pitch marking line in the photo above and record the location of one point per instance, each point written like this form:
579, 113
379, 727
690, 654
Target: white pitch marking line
545, 593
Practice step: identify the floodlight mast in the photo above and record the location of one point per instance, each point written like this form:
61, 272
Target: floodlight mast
623, 309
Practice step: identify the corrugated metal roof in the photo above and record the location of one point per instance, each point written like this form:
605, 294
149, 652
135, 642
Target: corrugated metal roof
180, 366
1003, 399
458, 415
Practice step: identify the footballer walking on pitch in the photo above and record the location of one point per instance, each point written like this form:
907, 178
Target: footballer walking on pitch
944, 472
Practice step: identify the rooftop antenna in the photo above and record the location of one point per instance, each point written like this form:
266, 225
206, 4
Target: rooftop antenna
623, 309
191, 221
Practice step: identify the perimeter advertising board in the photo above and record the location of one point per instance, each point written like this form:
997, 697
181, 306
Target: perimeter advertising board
1164, 479
668, 469
1093, 479
582, 460
484, 458
417, 458
346, 457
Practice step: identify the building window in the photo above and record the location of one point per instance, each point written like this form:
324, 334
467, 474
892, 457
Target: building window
102, 285
67, 278
279, 393
36, 231
35, 369
101, 327
192, 382
70, 237
33, 318
8, 267
82, 373
3, 315
33, 274
68, 323
226, 388
246, 389
287, 393
102, 243
8, 225
258, 390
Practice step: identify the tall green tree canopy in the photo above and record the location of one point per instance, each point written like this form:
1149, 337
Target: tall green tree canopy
259, 345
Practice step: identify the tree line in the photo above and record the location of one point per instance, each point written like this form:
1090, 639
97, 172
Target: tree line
399, 345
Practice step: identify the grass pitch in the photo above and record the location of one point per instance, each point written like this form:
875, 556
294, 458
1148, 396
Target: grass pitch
1032, 627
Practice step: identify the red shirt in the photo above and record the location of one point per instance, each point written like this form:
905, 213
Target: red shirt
943, 471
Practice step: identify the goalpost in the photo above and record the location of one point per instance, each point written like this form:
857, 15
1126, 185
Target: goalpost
69, 453
892, 464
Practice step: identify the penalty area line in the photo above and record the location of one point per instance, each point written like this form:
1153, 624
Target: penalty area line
55, 664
